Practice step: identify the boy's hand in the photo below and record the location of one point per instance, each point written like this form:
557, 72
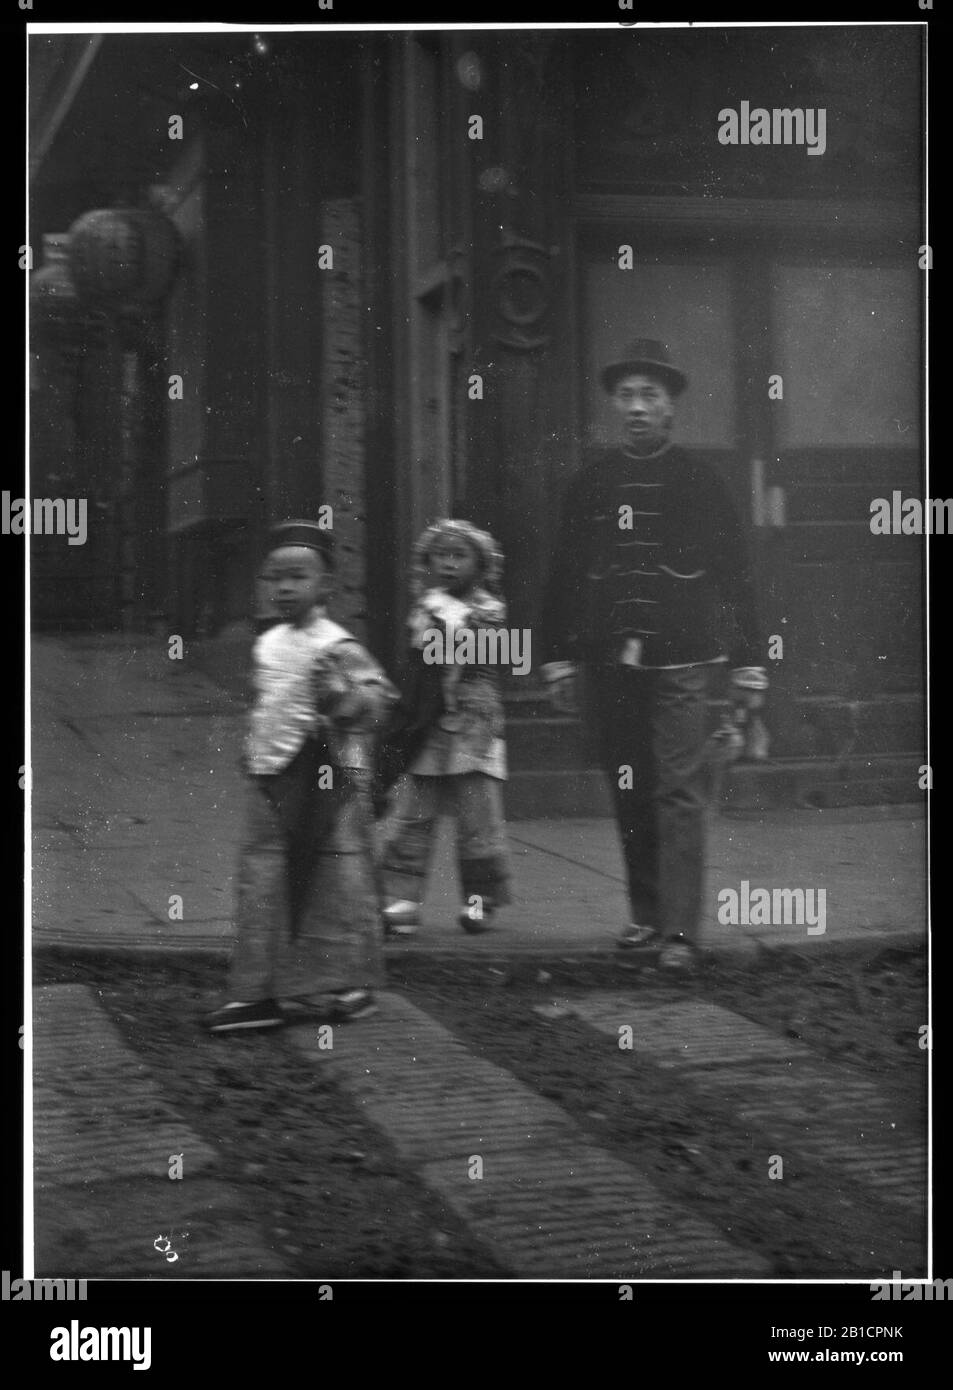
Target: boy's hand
351, 690
330, 687
347, 708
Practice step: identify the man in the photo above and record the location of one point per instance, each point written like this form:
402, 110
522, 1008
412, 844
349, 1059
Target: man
651, 589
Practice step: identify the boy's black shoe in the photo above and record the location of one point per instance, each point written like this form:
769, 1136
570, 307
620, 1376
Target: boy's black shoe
231, 1018
304, 1010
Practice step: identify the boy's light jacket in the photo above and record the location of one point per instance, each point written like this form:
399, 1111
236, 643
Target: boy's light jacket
302, 675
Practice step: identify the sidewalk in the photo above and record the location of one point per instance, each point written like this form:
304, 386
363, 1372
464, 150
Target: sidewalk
136, 797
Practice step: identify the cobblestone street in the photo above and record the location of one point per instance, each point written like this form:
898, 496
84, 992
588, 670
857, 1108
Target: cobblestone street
479, 1134
524, 1105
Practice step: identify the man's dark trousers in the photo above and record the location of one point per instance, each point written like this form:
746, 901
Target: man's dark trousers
655, 723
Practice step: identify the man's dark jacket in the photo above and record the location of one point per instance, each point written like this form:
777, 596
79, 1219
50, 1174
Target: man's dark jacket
704, 595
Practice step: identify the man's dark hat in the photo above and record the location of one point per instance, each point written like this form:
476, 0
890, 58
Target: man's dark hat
650, 357
307, 533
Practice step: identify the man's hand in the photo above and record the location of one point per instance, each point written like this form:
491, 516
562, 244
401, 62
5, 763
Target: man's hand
748, 684
562, 685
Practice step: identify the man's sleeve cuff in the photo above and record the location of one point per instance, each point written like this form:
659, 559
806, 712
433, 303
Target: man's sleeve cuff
557, 671
750, 677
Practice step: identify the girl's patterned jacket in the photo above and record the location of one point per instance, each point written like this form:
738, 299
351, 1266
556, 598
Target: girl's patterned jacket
468, 734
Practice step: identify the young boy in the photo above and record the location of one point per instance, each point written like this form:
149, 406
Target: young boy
462, 760
308, 914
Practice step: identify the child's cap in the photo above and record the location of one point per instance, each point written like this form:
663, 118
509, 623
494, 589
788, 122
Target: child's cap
306, 533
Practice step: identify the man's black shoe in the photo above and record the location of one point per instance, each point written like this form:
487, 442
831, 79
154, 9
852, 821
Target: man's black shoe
637, 938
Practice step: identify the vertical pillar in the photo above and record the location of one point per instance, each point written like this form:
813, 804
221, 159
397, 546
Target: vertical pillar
384, 533
343, 384
521, 180
149, 492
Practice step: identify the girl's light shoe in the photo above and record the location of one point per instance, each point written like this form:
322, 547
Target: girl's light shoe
401, 918
349, 1004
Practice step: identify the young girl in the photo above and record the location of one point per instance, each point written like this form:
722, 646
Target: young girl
461, 761
308, 915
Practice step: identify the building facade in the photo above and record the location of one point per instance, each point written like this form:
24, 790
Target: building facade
403, 258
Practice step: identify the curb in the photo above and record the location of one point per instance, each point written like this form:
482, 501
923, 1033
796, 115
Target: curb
754, 951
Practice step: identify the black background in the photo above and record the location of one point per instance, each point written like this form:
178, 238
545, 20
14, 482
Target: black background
224, 1327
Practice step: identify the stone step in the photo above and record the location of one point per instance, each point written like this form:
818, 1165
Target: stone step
852, 781
539, 740
535, 795
774, 785
894, 724
846, 542
879, 470
541, 743
839, 502
537, 736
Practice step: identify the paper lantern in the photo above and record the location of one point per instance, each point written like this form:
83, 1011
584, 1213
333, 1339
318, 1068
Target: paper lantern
123, 258
53, 297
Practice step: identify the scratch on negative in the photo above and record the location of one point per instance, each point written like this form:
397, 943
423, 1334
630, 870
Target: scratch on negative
218, 89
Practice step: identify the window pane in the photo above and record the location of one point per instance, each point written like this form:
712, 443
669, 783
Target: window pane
848, 351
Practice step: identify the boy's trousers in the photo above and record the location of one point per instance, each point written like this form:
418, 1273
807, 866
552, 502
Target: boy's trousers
475, 801
654, 723
308, 915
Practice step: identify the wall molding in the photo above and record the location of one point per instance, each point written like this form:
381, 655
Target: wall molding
893, 223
